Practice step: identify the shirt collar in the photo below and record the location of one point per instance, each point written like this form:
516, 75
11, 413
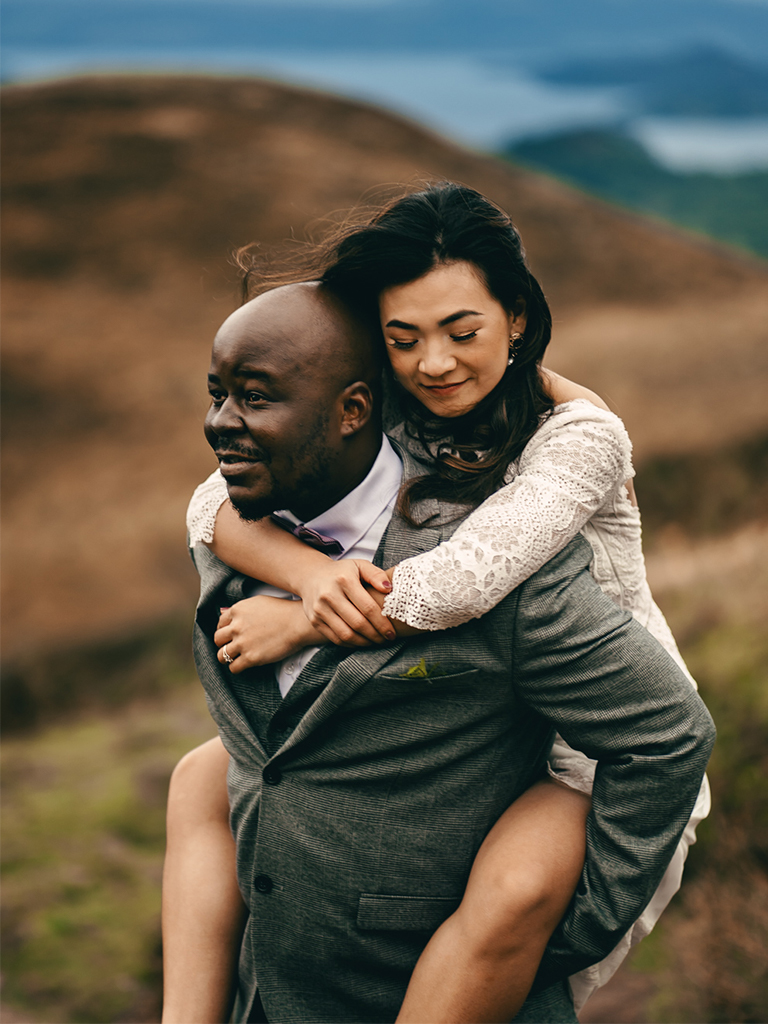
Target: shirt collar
352, 517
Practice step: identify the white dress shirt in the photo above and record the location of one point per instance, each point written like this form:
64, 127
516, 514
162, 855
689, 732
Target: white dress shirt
358, 523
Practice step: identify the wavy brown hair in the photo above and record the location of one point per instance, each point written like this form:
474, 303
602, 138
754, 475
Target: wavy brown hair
468, 456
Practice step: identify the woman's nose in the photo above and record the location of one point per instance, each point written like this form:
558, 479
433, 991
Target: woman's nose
437, 360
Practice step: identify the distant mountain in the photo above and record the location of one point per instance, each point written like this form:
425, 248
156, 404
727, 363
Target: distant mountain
705, 81
613, 166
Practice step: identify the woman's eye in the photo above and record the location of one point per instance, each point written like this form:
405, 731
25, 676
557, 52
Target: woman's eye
402, 344
464, 337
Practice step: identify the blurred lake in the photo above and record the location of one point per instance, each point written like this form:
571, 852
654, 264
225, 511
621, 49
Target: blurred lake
485, 102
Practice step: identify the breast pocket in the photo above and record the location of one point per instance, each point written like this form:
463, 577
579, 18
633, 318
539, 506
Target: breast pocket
382, 912
426, 674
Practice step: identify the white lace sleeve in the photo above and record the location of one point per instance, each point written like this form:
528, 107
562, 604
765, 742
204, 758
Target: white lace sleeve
575, 463
203, 506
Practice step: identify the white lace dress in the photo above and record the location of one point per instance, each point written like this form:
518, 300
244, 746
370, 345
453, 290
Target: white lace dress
569, 479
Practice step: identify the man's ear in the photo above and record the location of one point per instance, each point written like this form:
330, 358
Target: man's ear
356, 405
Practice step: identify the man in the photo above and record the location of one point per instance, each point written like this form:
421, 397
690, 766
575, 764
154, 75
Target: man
360, 792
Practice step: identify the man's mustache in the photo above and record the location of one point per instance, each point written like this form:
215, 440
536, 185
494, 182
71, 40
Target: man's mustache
224, 447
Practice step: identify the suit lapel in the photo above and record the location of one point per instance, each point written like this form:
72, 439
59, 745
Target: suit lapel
222, 586
400, 541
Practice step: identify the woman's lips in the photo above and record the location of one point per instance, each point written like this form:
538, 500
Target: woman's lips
444, 389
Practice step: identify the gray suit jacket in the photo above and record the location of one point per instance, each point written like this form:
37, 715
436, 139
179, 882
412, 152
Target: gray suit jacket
359, 801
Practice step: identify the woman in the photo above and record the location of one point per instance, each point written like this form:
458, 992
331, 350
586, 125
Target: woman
540, 459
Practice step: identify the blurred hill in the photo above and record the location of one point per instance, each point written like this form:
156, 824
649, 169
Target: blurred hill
123, 198
614, 166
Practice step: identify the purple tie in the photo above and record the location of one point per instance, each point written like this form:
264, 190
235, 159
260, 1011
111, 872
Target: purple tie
309, 536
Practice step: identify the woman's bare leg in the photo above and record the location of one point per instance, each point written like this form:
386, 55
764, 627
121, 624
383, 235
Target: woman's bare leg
481, 962
203, 913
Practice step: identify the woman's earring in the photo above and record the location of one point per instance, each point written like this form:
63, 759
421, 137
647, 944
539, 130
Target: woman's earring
514, 345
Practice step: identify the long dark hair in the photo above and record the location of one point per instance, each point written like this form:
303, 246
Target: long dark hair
468, 456
446, 223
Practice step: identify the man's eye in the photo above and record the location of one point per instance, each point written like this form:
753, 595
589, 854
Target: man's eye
464, 337
255, 396
217, 397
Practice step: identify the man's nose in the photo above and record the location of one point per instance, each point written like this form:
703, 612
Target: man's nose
226, 418
437, 359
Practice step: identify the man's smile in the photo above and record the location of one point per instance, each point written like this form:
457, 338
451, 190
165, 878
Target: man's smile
235, 459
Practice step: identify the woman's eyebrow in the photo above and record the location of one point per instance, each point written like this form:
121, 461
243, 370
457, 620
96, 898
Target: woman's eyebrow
442, 323
457, 316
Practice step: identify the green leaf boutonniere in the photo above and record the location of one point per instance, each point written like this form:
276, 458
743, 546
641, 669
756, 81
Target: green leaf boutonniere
422, 670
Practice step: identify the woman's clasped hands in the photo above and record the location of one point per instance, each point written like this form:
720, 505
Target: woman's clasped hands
340, 602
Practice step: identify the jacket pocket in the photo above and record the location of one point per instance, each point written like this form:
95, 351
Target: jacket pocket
425, 671
404, 913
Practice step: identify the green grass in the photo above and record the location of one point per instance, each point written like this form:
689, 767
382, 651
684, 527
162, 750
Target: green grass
707, 955
83, 841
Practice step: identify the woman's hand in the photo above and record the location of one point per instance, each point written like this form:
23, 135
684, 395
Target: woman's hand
262, 630
339, 607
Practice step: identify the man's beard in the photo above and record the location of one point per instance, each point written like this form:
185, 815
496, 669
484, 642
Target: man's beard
299, 495
252, 510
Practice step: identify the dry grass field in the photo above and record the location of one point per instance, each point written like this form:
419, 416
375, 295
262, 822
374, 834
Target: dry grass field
122, 201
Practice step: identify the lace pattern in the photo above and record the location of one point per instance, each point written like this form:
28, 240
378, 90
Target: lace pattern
570, 478
573, 470
203, 506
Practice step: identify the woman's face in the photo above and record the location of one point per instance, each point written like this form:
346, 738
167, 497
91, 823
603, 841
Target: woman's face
447, 337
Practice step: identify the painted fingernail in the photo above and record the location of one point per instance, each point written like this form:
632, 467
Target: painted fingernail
390, 634
386, 585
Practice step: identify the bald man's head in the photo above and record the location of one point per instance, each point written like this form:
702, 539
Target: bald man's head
309, 326
294, 384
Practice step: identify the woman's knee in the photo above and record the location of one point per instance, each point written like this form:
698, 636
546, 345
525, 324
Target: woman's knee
527, 870
197, 793
513, 907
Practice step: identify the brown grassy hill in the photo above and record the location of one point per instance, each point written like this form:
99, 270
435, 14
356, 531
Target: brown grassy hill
123, 199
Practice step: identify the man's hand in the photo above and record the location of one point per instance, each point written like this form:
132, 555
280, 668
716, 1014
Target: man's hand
337, 604
262, 630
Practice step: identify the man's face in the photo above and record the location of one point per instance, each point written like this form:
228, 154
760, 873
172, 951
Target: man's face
272, 423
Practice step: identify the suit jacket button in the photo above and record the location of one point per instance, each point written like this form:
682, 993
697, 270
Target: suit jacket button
272, 774
262, 883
